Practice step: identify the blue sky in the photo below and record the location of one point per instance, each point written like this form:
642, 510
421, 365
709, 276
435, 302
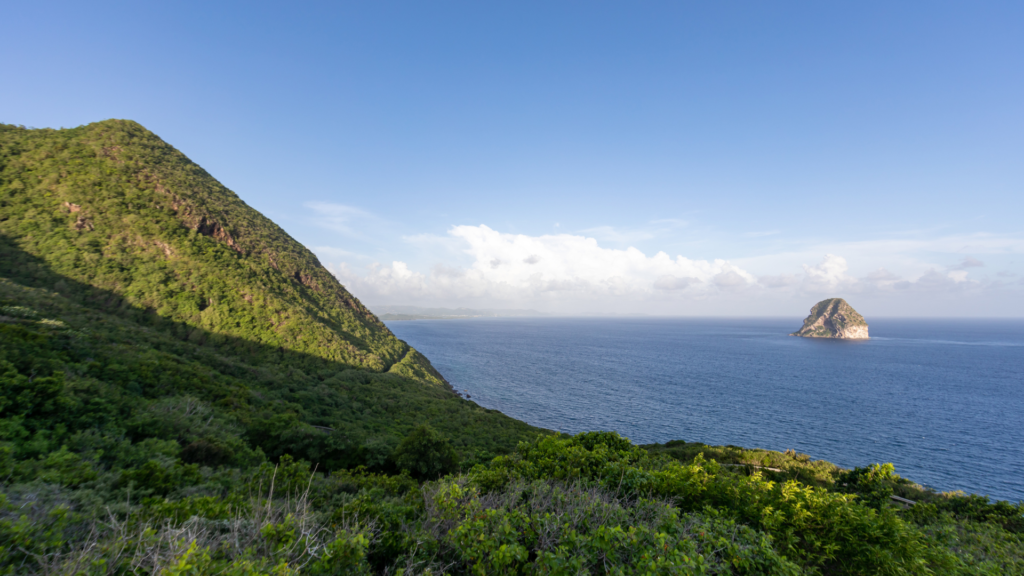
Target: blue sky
582, 157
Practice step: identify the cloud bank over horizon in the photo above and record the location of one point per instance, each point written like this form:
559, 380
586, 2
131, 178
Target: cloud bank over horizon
569, 273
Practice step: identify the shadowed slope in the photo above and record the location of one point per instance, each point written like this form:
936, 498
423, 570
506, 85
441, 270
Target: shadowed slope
114, 207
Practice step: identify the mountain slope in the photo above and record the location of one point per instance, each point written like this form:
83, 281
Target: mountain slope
115, 208
141, 287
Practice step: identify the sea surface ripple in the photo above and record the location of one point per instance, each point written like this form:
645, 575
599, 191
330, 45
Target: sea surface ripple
941, 399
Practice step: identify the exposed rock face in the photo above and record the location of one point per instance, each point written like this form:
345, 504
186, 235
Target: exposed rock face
833, 318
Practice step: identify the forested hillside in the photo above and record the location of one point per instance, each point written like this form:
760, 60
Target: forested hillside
138, 226
185, 390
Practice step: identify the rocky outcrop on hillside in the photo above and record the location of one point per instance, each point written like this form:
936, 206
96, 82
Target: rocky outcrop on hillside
834, 318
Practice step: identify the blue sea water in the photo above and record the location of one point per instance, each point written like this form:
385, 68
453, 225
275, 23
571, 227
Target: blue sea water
941, 399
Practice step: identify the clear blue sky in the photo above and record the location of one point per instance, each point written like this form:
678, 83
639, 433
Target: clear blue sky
510, 153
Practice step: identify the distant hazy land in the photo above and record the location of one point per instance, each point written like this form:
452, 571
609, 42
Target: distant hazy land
397, 312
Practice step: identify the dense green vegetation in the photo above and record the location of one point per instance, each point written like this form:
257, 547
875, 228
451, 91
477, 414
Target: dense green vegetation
139, 226
184, 390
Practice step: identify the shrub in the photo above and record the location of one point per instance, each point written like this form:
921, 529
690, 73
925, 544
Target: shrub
426, 454
818, 529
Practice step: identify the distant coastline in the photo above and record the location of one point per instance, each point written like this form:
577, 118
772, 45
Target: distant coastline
403, 317
396, 313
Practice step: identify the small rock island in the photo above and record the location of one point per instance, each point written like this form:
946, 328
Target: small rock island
834, 318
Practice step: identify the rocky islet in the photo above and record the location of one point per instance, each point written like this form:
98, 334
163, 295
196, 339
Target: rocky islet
834, 318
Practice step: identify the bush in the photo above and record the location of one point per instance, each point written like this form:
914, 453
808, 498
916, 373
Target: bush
549, 527
818, 529
426, 454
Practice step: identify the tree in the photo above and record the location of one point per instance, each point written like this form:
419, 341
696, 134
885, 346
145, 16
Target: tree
426, 454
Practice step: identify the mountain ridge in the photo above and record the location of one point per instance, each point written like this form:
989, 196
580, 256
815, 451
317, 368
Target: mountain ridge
111, 232
113, 191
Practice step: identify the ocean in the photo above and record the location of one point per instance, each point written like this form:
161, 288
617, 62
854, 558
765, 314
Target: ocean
943, 400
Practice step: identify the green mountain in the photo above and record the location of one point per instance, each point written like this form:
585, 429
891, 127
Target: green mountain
114, 208
177, 291
185, 390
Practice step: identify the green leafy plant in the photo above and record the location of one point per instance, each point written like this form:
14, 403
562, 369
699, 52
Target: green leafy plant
426, 454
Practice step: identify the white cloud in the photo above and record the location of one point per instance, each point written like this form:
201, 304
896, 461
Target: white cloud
969, 262
573, 262
911, 254
779, 281
653, 229
732, 280
668, 282
341, 218
829, 274
574, 272
517, 266
335, 253
881, 276
938, 281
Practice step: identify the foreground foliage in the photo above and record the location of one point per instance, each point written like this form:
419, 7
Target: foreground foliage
592, 503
